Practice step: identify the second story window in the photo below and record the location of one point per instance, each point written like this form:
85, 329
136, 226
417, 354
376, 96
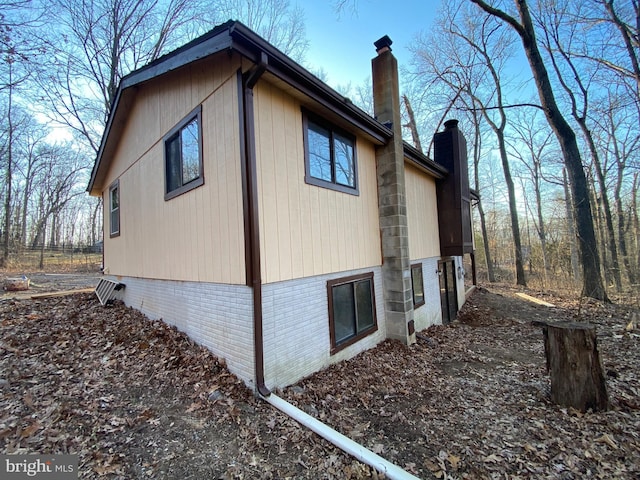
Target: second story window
330, 158
183, 156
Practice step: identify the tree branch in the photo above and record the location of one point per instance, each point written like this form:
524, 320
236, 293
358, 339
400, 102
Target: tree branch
496, 12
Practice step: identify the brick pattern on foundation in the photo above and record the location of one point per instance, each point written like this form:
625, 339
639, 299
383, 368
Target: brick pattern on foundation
217, 316
296, 326
431, 312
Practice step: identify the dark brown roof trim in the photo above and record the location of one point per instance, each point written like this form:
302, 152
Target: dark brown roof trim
234, 36
280, 65
423, 162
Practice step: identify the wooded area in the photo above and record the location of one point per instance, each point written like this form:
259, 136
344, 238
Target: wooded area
556, 149
547, 92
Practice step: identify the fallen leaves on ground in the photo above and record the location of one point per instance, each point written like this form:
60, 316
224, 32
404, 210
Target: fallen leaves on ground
471, 400
135, 398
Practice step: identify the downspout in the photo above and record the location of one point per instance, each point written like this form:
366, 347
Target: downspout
247, 82
252, 225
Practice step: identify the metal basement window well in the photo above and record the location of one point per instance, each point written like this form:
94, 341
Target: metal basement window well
105, 291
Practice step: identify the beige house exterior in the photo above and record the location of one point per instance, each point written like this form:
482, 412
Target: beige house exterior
250, 205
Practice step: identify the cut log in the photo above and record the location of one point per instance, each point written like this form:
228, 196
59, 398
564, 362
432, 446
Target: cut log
16, 284
573, 362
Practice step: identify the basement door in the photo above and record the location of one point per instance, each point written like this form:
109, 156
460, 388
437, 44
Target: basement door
448, 290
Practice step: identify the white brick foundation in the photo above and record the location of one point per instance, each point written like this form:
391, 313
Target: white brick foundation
219, 317
295, 319
431, 312
296, 327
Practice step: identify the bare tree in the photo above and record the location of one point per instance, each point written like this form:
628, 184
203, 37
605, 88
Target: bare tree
634, 218
590, 259
529, 142
625, 17
622, 140
96, 43
558, 34
57, 184
488, 44
16, 46
277, 21
477, 149
100, 41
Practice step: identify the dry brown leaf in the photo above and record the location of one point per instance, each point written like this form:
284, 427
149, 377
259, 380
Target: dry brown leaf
605, 438
454, 461
493, 458
433, 467
478, 389
378, 448
30, 430
28, 400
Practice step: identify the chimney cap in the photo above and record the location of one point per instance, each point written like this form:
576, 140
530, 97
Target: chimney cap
383, 43
449, 124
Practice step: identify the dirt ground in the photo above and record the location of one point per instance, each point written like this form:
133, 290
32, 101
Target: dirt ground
136, 399
41, 283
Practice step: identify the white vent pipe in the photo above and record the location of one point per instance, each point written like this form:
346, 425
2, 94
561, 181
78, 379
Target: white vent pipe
363, 454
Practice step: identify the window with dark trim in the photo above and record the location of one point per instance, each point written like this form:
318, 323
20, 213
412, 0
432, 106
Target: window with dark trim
114, 209
183, 156
417, 284
352, 310
329, 156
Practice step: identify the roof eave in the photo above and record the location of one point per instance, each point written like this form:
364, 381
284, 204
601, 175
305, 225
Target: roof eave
424, 163
280, 65
202, 47
234, 36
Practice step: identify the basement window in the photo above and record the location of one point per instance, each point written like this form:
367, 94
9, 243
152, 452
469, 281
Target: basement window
352, 310
114, 209
183, 156
330, 156
417, 284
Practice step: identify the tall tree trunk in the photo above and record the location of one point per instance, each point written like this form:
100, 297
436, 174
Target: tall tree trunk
571, 231
596, 204
592, 285
476, 180
513, 209
622, 233
610, 237
636, 221
94, 222
542, 231
608, 240
44, 234
8, 175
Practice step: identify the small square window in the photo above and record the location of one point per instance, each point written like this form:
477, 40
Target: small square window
417, 284
330, 159
352, 310
114, 209
183, 156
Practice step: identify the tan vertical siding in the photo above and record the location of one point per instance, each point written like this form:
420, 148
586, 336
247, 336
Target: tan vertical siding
197, 236
422, 214
307, 230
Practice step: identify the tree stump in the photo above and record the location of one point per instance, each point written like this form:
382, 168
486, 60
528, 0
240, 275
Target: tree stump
573, 362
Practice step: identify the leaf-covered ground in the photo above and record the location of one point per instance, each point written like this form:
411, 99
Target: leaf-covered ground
136, 399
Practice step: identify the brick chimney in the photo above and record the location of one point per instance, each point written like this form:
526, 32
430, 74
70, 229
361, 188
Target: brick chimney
392, 203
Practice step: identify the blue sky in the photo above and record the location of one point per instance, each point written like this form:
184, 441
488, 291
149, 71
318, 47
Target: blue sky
343, 46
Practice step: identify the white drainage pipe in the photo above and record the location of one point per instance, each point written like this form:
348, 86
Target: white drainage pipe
363, 454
